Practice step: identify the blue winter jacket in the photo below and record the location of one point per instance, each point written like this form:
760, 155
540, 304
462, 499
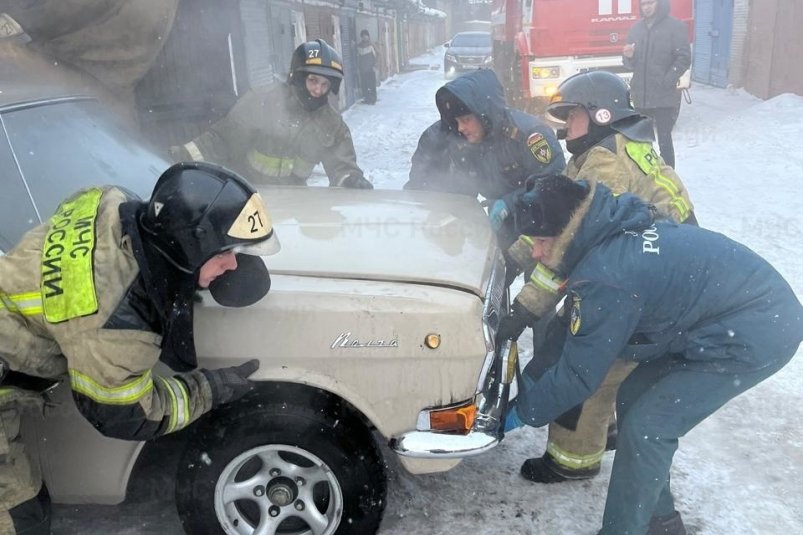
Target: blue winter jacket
516, 146
679, 289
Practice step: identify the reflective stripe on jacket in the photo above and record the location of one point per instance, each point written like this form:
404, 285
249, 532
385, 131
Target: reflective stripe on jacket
623, 165
269, 138
110, 370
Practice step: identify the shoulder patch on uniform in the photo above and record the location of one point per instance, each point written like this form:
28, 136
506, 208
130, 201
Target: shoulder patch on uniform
575, 316
540, 148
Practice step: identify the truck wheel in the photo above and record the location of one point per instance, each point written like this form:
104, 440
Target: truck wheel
277, 468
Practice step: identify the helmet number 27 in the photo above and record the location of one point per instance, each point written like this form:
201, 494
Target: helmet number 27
256, 222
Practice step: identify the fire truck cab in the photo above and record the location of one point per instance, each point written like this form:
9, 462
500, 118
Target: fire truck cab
539, 43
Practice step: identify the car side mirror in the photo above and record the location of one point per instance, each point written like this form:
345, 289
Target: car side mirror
446, 44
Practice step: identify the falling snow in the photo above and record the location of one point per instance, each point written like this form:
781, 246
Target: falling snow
740, 471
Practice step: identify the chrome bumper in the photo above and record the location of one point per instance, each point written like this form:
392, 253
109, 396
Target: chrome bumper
489, 425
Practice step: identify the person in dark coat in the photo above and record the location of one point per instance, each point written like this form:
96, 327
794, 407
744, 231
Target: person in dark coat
366, 61
480, 146
658, 52
704, 317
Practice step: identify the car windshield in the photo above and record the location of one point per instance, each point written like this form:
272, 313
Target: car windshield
472, 40
62, 146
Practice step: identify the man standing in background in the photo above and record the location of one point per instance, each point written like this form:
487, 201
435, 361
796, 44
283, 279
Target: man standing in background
366, 61
658, 52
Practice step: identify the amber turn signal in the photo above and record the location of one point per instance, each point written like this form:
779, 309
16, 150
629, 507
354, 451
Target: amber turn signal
457, 419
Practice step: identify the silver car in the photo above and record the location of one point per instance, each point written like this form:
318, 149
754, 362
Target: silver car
467, 51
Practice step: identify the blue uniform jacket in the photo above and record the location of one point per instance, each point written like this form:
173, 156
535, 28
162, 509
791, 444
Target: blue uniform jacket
516, 146
685, 290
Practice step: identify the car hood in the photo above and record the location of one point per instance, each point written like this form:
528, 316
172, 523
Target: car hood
413, 236
468, 51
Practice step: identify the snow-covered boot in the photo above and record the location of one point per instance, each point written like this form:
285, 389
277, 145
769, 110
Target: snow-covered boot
667, 525
546, 470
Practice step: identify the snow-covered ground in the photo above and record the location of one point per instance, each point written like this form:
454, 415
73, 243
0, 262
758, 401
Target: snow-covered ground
739, 472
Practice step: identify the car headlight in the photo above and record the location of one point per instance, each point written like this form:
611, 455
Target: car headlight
488, 60
545, 72
451, 58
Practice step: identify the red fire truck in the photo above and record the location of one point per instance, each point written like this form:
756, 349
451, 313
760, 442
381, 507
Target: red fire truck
539, 43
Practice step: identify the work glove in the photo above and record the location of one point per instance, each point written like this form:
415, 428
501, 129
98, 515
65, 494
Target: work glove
498, 213
230, 384
356, 181
512, 325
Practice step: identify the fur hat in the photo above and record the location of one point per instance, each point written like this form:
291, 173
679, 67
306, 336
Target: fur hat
546, 206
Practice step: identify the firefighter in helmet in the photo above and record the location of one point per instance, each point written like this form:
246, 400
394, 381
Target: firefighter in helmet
103, 291
277, 134
610, 142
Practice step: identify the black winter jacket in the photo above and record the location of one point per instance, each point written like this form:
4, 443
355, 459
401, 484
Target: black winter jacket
516, 145
662, 54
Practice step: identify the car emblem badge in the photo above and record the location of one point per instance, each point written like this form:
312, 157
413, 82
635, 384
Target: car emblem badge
345, 341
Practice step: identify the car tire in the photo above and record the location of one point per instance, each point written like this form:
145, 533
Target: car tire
285, 468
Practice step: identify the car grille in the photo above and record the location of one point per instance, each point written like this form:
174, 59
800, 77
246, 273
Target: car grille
470, 60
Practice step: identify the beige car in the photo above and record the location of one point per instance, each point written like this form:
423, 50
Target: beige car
378, 328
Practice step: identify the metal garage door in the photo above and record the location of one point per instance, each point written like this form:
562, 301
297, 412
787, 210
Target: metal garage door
713, 27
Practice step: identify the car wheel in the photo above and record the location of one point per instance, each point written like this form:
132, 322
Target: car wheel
277, 468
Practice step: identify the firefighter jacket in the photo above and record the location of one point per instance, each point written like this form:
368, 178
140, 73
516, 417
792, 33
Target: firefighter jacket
661, 55
269, 138
641, 290
72, 302
516, 145
623, 165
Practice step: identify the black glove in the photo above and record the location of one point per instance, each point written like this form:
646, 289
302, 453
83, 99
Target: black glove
356, 181
230, 384
512, 325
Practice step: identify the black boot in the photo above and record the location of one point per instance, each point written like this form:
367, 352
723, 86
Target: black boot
546, 470
667, 525
33, 516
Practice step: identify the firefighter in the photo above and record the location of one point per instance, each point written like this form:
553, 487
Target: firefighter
480, 146
701, 316
611, 142
278, 133
103, 291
